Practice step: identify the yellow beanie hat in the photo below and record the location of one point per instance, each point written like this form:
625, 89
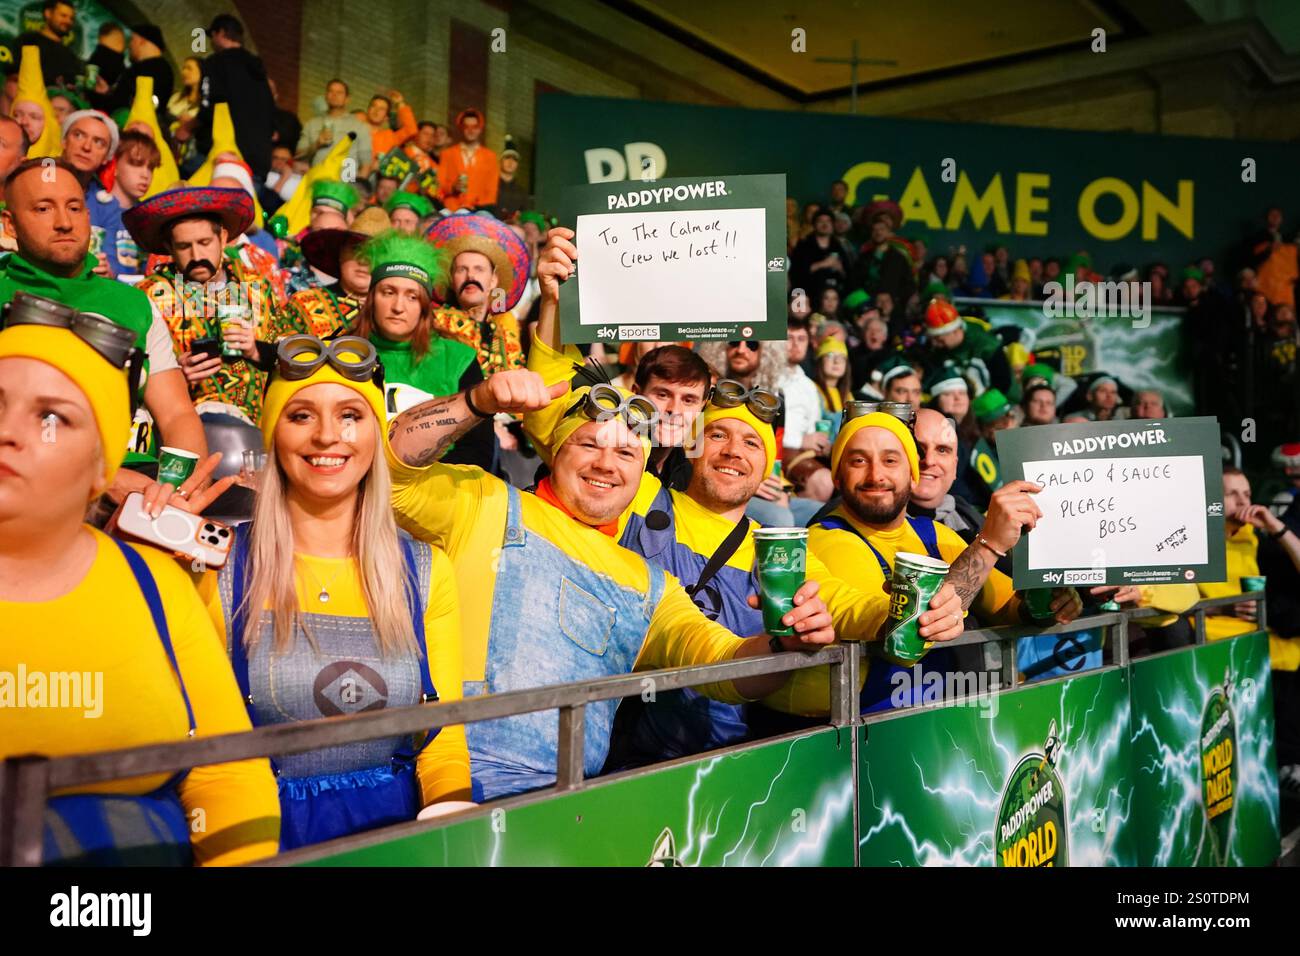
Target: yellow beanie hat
832, 346
105, 387
876, 420
568, 424
281, 390
713, 413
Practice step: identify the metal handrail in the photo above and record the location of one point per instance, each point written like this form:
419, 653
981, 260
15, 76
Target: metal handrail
26, 781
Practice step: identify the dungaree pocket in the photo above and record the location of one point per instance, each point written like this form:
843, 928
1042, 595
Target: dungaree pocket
584, 618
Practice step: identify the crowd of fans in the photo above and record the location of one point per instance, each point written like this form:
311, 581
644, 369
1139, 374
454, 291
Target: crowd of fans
351, 325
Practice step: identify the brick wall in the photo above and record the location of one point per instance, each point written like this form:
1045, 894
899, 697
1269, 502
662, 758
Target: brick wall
274, 29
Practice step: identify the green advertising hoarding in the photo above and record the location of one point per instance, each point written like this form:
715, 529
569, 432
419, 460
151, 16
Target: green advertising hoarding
786, 803
22, 16
1123, 197
1205, 768
1041, 779
1150, 354
648, 249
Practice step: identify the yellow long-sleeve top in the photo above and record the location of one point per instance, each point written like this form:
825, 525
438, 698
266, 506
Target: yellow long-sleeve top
463, 510
102, 628
1284, 653
845, 554
857, 614
442, 767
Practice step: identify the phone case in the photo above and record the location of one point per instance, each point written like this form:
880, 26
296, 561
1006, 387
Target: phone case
177, 531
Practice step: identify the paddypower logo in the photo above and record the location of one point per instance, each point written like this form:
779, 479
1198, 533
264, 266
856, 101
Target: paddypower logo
1219, 766
1031, 824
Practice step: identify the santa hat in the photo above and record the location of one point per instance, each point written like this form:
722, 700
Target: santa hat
941, 318
240, 173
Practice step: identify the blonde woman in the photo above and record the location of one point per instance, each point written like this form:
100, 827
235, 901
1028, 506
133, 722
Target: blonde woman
122, 621
327, 611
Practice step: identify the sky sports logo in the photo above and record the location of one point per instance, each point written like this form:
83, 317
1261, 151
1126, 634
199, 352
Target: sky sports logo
630, 333
1093, 576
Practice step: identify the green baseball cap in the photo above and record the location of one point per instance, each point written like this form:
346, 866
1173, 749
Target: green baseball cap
990, 406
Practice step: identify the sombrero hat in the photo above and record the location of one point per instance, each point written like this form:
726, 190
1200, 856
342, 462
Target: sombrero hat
885, 207
323, 247
476, 232
148, 221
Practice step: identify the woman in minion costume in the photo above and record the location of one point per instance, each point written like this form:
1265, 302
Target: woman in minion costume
833, 380
327, 610
124, 619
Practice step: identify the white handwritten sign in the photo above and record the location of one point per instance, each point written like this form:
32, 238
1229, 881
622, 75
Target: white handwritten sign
676, 260
1126, 502
1128, 511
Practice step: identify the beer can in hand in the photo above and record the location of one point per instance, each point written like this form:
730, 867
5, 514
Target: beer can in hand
781, 556
1038, 603
916, 580
175, 465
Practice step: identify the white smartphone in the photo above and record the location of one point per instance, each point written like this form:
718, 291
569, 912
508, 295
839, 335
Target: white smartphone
192, 536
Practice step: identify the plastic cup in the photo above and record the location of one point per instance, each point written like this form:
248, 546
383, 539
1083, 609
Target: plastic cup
781, 555
916, 580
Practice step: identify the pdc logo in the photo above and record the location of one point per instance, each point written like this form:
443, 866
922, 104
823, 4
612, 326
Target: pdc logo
1032, 827
776, 264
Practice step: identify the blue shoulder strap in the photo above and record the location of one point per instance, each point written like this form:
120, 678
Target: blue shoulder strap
149, 588
238, 653
839, 524
924, 528
429, 692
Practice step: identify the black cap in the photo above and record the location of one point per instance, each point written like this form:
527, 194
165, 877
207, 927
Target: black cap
151, 33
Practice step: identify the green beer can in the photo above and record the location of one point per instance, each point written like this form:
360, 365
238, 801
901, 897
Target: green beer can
1038, 603
781, 555
916, 580
1254, 582
175, 465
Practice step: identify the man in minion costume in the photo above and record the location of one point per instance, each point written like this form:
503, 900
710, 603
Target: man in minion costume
874, 463
547, 594
702, 537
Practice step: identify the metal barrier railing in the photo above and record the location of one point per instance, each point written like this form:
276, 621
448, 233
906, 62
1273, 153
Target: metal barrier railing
27, 781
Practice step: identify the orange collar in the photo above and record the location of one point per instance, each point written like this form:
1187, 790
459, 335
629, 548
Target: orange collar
546, 491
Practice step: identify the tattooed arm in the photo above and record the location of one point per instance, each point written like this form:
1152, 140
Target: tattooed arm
1011, 510
420, 435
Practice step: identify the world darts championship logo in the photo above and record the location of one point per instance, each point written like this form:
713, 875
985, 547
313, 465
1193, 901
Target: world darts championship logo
1219, 766
1031, 825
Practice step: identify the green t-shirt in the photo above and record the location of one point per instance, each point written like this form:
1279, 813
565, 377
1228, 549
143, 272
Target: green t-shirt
87, 292
407, 382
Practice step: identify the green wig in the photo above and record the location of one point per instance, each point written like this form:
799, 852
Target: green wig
395, 253
402, 199
334, 194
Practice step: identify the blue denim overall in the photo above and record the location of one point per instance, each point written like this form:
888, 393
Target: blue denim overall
554, 620
111, 830
878, 690
679, 723
333, 791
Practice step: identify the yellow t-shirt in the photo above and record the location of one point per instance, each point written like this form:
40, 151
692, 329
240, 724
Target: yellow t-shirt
463, 510
102, 628
846, 555
442, 767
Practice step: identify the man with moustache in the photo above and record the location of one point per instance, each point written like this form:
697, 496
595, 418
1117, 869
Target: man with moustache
875, 464
45, 210
702, 536
489, 269
206, 294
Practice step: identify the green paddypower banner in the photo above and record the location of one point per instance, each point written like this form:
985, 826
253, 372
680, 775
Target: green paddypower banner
1040, 779
1122, 197
1204, 765
1151, 354
788, 803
